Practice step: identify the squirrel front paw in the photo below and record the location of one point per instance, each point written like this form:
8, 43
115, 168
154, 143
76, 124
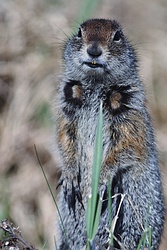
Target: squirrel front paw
71, 191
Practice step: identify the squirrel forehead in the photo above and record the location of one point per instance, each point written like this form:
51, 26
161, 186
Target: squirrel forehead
99, 29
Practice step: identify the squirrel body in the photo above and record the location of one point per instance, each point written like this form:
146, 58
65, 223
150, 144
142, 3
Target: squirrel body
100, 65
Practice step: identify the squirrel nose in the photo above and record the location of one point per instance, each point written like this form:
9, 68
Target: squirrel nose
94, 50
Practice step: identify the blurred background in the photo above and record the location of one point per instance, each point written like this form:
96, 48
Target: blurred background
32, 35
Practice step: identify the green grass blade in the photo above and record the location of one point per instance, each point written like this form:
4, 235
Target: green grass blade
150, 237
88, 217
51, 192
142, 239
94, 205
147, 234
97, 161
55, 243
97, 217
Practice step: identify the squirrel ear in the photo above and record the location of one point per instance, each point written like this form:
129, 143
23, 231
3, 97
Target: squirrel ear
79, 33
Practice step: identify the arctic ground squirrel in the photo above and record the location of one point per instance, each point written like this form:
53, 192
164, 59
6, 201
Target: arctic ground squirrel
100, 65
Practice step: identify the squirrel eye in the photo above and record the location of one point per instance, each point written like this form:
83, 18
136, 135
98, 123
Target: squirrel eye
117, 36
79, 33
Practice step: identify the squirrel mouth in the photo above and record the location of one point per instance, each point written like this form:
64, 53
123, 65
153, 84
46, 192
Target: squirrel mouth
93, 64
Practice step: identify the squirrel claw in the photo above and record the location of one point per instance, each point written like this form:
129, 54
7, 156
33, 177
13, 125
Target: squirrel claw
60, 182
72, 194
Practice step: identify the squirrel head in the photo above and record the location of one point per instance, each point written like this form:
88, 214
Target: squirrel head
100, 48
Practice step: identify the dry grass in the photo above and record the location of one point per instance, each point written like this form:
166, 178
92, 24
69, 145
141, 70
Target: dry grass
32, 33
